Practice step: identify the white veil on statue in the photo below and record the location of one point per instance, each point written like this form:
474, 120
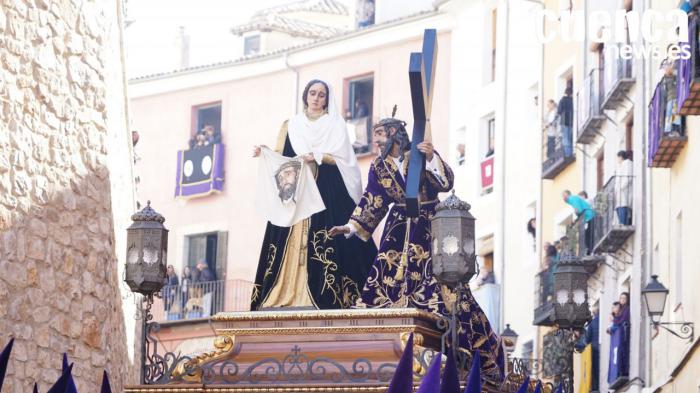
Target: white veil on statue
328, 134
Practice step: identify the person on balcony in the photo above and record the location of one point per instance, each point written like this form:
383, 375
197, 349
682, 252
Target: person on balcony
672, 119
619, 346
623, 188
186, 282
565, 113
170, 288
551, 258
205, 273
210, 135
550, 127
582, 207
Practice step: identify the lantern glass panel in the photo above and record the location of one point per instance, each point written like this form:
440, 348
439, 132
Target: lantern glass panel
450, 245
656, 302
579, 296
133, 256
562, 296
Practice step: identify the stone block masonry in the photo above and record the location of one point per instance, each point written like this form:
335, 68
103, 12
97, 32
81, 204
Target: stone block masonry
65, 166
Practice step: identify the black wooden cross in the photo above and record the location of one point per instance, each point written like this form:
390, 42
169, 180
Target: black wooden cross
421, 74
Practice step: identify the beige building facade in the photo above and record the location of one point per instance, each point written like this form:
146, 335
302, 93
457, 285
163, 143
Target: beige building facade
66, 193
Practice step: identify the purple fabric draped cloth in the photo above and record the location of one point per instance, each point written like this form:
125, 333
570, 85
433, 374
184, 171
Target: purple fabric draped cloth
685, 66
655, 124
396, 280
200, 171
618, 365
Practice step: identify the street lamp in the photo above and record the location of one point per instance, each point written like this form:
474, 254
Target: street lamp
571, 293
147, 245
510, 339
145, 273
655, 295
453, 260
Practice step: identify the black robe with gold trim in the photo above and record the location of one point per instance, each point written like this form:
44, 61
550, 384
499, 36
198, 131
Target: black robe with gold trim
303, 265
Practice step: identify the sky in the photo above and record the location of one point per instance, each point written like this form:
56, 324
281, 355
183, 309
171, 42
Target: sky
151, 37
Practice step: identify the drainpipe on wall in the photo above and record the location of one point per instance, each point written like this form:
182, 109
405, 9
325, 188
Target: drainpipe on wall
647, 218
540, 189
295, 105
499, 239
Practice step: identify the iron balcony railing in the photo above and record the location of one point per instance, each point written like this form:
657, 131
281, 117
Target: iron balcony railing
202, 300
618, 78
589, 110
666, 125
574, 243
688, 71
544, 295
613, 223
555, 156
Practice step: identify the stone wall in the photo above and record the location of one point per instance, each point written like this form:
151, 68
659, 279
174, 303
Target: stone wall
65, 164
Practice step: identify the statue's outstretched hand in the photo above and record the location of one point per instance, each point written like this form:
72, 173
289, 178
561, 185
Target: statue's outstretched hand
337, 230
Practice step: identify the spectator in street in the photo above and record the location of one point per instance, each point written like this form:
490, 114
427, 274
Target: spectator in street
565, 113
582, 207
205, 273
550, 127
623, 188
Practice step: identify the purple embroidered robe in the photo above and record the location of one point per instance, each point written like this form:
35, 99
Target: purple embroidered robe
416, 287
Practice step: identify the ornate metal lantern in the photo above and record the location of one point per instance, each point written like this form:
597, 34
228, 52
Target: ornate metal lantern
510, 339
571, 293
453, 253
146, 259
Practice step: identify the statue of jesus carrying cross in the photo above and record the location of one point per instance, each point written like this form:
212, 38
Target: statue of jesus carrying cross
410, 175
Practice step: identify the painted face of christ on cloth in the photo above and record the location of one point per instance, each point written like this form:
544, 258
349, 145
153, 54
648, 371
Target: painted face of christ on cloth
286, 179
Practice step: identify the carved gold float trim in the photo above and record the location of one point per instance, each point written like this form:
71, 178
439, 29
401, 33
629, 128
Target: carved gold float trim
322, 314
223, 345
328, 330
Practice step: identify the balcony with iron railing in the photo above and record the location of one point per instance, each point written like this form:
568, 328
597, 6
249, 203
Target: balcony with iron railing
555, 156
574, 244
613, 223
544, 296
618, 81
201, 300
688, 71
589, 110
666, 127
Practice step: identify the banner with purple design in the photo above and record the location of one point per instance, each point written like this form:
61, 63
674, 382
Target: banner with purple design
615, 365
200, 171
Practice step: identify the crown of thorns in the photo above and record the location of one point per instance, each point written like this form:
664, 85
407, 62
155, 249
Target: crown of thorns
390, 121
293, 164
